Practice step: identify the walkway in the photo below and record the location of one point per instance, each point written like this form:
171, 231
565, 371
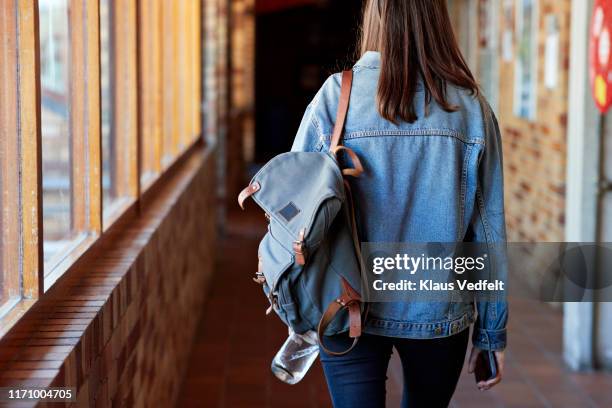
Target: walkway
237, 341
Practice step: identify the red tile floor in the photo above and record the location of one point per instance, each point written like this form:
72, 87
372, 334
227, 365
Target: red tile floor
236, 341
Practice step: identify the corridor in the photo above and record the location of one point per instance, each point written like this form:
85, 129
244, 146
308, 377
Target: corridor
129, 127
236, 341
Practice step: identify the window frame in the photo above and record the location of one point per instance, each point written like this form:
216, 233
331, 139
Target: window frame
124, 117
86, 151
9, 159
26, 235
151, 91
130, 115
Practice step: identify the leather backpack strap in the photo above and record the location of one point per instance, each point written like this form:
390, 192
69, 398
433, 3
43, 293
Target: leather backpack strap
343, 104
350, 298
351, 301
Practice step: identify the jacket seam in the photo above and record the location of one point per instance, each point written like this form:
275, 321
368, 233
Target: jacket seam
366, 66
415, 323
317, 128
402, 133
482, 212
464, 171
485, 117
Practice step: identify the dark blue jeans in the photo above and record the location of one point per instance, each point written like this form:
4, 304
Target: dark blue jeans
431, 370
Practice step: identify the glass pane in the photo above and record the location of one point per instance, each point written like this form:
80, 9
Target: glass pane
55, 121
170, 81
150, 92
109, 184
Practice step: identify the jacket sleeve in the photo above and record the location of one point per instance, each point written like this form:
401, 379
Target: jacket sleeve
489, 229
308, 138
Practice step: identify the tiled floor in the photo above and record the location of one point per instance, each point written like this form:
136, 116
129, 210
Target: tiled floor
236, 342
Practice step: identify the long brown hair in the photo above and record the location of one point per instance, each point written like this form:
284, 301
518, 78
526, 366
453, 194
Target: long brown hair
413, 37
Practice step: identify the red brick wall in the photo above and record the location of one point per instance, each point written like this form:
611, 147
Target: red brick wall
535, 151
119, 327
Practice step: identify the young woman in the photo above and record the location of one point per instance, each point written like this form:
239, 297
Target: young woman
432, 155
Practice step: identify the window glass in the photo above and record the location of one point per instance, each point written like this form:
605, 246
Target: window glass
170, 80
55, 121
109, 183
118, 106
151, 90
525, 73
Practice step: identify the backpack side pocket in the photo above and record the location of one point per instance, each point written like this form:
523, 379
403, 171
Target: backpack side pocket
278, 266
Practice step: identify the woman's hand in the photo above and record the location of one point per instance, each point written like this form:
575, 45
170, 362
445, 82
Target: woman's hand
485, 385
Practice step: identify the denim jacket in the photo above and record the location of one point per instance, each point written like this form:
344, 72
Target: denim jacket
428, 181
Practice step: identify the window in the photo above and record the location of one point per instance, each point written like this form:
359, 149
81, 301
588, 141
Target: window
488, 70
118, 105
526, 73
20, 214
171, 77
109, 176
76, 149
151, 91
170, 107
57, 151
70, 131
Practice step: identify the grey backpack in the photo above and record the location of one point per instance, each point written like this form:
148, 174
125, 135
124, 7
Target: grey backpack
309, 260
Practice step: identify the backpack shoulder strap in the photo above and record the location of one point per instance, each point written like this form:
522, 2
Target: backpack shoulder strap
343, 104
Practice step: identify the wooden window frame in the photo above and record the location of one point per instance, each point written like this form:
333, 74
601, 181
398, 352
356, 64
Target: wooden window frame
24, 129
170, 74
9, 158
85, 121
124, 92
181, 129
151, 90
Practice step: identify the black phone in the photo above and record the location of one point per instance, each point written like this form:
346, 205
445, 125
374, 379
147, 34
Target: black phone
486, 366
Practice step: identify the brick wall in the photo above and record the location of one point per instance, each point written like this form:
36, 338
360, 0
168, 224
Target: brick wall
535, 151
119, 327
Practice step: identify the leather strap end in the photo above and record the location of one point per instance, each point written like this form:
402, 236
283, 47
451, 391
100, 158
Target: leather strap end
331, 311
349, 291
300, 254
354, 312
247, 192
350, 300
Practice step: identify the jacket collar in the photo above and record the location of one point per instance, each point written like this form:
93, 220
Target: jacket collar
370, 59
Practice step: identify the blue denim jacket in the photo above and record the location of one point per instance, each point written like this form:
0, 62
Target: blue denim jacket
428, 181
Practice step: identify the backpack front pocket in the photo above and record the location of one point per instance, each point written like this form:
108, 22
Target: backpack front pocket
274, 261
278, 267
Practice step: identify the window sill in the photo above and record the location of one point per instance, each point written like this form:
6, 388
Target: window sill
115, 210
88, 298
10, 318
58, 266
